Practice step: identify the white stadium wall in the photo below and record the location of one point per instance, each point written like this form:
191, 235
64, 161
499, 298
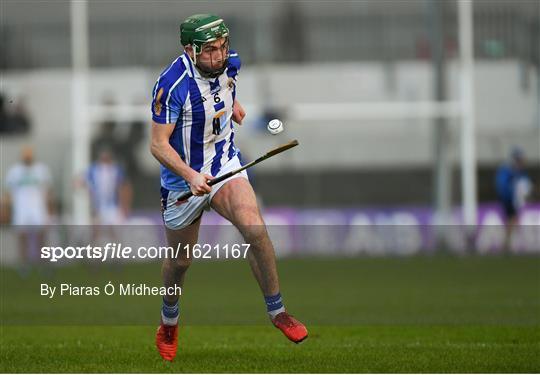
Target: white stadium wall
506, 112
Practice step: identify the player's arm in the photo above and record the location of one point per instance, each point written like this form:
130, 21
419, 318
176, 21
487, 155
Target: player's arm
51, 208
5, 208
125, 192
167, 156
51, 202
47, 181
6, 201
233, 69
238, 112
167, 106
126, 197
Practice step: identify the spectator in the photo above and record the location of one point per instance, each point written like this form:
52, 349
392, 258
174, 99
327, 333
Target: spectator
513, 187
110, 190
30, 196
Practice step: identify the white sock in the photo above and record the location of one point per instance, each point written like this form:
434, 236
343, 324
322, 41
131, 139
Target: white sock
273, 313
169, 321
169, 314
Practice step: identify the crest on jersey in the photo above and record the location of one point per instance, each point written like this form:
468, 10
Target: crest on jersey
230, 82
217, 121
157, 104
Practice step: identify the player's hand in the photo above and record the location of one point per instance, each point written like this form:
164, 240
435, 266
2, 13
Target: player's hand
199, 184
238, 112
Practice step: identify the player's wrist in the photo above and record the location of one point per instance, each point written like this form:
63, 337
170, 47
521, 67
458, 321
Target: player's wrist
190, 175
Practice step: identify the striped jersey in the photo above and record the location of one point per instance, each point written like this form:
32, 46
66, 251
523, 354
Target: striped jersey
201, 109
104, 182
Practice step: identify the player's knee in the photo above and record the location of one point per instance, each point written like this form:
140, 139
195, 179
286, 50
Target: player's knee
249, 217
252, 226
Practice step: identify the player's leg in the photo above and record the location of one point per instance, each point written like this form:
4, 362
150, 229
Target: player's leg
182, 223
235, 200
24, 251
173, 270
510, 226
511, 216
22, 223
23, 246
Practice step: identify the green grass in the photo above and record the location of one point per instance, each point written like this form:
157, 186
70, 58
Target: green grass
421, 314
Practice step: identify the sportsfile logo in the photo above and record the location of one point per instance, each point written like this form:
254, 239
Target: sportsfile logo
116, 251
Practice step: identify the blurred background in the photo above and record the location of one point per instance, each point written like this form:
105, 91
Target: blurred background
419, 131
404, 109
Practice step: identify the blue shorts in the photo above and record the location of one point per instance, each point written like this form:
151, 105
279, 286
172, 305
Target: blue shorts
180, 215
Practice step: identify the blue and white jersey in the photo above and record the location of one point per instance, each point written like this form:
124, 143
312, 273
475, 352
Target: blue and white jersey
104, 181
201, 109
513, 186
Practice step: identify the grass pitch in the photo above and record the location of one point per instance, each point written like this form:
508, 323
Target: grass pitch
421, 314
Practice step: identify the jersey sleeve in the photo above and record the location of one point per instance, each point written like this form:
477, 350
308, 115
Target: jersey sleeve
168, 100
233, 64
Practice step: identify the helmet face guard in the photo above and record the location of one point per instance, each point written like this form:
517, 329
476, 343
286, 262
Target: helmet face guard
200, 29
207, 71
